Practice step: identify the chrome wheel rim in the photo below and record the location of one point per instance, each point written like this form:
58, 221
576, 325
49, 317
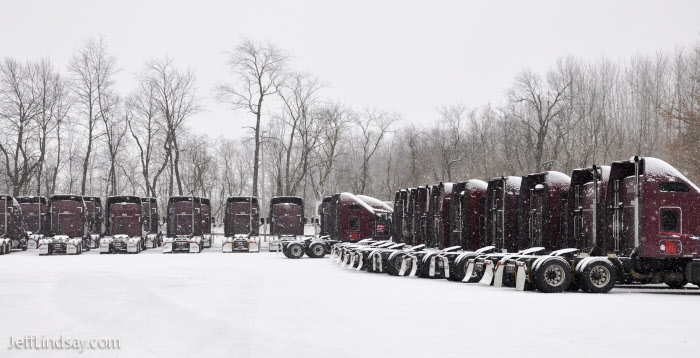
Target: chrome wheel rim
599, 276
554, 275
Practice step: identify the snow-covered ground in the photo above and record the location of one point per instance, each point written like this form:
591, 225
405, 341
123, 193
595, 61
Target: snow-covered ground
265, 305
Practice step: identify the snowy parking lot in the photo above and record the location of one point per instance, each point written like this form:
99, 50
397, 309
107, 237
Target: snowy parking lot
265, 305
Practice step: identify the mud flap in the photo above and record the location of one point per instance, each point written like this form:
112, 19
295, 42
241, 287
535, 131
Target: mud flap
253, 245
414, 268
167, 247
498, 277
520, 279
488, 273
227, 247
359, 263
352, 261
470, 271
446, 266
43, 249
431, 270
404, 266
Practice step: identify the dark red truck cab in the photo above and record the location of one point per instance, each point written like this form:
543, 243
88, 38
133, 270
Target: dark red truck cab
650, 219
184, 225
35, 214
69, 226
207, 238
241, 224
13, 234
151, 220
125, 229
95, 214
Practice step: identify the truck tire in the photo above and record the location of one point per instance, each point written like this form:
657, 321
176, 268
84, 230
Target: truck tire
597, 277
676, 284
394, 265
553, 275
316, 250
296, 251
285, 250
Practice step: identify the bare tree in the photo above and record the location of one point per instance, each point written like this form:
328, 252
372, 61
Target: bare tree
20, 105
144, 130
177, 101
53, 109
542, 106
299, 96
257, 69
374, 125
92, 71
337, 119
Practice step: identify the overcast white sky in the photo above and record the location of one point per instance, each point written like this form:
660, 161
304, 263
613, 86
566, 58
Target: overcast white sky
404, 56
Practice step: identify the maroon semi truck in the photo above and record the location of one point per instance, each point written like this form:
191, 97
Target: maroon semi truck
650, 232
95, 214
421, 223
151, 221
184, 225
13, 234
397, 216
324, 213
241, 224
542, 211
411, 220
35, 214
467, 211
69, 226
441, 198
286, 220
125, 229
287, 216
207, 238
383, 213
586, 209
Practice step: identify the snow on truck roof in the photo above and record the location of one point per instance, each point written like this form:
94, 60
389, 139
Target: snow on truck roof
123, 199
658, 170
375, 203
286, 200
357, 200
476, 183
555, 177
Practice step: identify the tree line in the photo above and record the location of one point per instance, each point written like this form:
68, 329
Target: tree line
70, 130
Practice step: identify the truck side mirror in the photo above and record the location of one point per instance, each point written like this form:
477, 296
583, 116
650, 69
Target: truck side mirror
267, 220
262, 221
304, 220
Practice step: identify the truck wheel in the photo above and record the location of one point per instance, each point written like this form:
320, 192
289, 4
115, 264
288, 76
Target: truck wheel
676, 284
394, 265
296, 251
597, 277
285, 251
316, 250
553, 275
